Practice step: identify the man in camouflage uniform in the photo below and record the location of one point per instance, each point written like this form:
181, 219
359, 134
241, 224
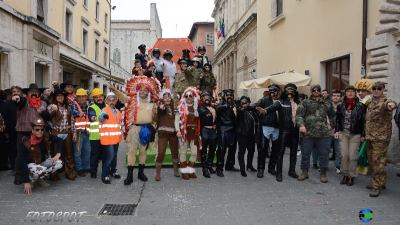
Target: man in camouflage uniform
184, 79
378, 131
207, 80
313, 116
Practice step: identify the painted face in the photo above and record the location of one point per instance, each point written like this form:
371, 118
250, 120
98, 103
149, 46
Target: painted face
189, 97
38, 131
143, 92
167, 98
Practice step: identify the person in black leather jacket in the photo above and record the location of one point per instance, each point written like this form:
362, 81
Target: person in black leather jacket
208, 132
269, 124
288, 131
246, 130
226, 123
349, 129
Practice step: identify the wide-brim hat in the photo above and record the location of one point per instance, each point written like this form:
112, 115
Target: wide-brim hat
58, 92
66, 83
33, 86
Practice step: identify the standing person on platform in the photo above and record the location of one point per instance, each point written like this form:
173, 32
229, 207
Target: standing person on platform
184, 78
350, 121
208, 83
208, 132
169, 69
186, 57
143, 56
142, 92
188, 131
80, 137
226, 125
378, 132
201, 50
313, 118
110, 123
167, 134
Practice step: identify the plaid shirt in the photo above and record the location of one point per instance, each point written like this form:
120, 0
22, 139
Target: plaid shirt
62, 126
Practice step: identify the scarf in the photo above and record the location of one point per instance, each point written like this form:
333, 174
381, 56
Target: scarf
34, 102
350, 104
35, 140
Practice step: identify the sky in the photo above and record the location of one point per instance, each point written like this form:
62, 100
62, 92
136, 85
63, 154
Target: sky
176, 16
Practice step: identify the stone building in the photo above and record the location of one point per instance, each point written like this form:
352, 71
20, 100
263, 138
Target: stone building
235, 57
43, 40
202, 33
127, 35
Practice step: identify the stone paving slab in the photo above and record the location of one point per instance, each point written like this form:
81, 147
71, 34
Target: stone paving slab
232, 200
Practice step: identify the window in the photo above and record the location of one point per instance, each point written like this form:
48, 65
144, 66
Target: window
210, 38
39, 74
97, 10
40, 11
68, 25
106, 22
338, 73
117, 56
105, 56
96, 50
85, 3
279, 7
84, 41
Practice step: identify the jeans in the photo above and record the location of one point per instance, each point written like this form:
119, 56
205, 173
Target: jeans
269, 133
82, 153
315, 156
108, 155
336, 150
113, 165
319, 144
95, 155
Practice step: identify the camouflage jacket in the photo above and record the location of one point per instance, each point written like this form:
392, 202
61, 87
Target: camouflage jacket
185, 79
315, 116
207, 82
378, 120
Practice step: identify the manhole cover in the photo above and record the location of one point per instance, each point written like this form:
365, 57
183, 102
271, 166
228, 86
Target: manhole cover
118, 210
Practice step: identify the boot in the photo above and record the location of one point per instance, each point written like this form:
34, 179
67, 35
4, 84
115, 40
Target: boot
374, 193
279, 177
369, 187
158, 172
323, 177
260, 173
344, 180
141, 175
192, 173
350, 181
211, 170
243, 173
220, 173
303, 175
176, 167
251, 168
129, 177
293, 174
184, 170
206, 172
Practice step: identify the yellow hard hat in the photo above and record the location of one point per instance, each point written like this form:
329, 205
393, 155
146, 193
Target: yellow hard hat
97, 92
81, 92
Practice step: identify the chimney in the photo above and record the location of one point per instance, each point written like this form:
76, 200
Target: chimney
153, 16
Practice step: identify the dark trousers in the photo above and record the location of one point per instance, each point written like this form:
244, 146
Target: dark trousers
228, 141
262, 152
246, 143
95, 155
20, 135
209, 144
322, 145
286, 139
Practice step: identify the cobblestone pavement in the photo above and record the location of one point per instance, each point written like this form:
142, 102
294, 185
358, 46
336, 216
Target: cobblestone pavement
232, 200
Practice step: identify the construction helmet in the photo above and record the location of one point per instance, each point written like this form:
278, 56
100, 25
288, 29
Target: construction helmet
81, 92
97, 92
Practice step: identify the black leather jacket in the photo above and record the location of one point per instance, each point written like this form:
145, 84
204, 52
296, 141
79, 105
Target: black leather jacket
226, 118
357, 119
247, 122
284, 108
206, 118
269, 119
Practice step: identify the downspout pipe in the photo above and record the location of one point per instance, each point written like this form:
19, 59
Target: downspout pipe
364, 37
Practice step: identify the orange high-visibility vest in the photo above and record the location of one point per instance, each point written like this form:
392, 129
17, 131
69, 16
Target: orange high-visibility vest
81, 123
110, 129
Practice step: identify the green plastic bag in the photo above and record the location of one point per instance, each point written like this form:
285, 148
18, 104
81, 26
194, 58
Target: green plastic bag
362, 155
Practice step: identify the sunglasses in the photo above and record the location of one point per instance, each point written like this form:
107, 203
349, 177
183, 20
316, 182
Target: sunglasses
37, 130
188, 96
316, 90
377, 88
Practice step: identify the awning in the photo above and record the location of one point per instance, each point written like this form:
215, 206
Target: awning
281, 79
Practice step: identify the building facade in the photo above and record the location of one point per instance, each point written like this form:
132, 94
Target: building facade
336, 42
127, 35
43, 40
235, 57
202, 34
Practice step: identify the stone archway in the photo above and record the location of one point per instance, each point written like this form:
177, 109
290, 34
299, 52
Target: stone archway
383, 58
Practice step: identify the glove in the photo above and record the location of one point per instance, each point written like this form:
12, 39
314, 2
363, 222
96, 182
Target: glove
106, 116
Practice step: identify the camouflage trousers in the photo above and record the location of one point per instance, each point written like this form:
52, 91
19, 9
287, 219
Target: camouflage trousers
377, 151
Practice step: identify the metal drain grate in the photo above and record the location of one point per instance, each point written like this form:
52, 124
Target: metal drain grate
118, 210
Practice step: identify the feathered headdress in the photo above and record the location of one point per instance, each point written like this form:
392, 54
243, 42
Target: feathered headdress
183, 109
133, 86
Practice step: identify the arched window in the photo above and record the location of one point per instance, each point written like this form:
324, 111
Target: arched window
117, 56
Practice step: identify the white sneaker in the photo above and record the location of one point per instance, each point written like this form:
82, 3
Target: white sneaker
337, 171
298, 153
